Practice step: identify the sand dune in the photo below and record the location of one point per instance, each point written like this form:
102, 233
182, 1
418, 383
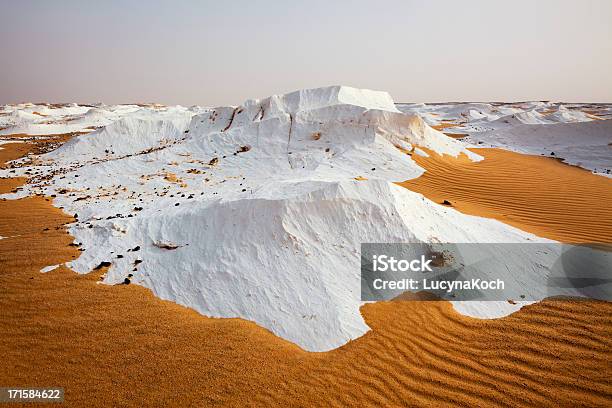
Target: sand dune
25, 144
12, 151
121, 346
537, 194
10, 184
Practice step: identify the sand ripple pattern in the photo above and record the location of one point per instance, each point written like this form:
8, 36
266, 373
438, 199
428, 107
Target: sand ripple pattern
536, 194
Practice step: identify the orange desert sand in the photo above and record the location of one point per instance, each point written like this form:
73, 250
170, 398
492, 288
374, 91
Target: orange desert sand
536, 194
121, 346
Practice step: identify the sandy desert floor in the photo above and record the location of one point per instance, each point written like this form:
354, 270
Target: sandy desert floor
536, 194
121, 346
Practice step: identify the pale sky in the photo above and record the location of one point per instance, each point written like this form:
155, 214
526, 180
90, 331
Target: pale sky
223, 52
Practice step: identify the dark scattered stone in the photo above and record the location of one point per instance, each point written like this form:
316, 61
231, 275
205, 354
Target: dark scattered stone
552, 153
136, 248
446, 202
126, 281
138, 261
373, 168
177, 204
103, 264
120, 256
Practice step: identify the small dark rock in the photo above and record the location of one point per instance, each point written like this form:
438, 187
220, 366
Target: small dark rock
103, 264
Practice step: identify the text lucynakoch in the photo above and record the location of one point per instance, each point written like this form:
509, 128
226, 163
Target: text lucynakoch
448, 286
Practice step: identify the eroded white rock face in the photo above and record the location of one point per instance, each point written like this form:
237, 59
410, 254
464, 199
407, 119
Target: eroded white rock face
579, 134
584, 144
258, 211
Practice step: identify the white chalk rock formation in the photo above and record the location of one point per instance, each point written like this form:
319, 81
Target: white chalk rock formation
258, 211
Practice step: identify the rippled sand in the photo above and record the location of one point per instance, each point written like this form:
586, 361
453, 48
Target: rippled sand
536, 194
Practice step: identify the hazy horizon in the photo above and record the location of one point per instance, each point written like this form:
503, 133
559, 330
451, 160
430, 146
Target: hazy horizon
205, 53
